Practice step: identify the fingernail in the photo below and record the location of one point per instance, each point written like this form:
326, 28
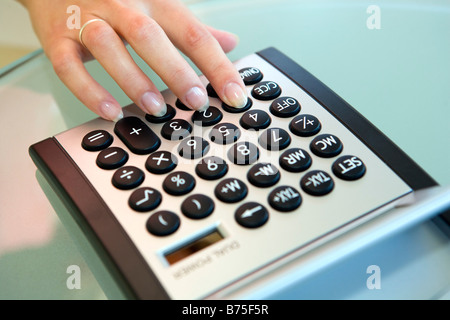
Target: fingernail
153, 104
235, 95
197, 98
111, 112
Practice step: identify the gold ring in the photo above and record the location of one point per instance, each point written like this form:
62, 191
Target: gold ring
80, 35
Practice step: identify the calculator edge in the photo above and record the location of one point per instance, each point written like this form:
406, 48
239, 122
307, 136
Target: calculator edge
96, 221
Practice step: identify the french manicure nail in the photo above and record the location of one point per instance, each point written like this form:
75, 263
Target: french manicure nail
197, 98
111, 112
235, 95
153, 104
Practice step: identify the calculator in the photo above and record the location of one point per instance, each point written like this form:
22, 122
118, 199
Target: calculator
227, 201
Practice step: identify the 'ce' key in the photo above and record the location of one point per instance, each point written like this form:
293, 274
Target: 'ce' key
136, 135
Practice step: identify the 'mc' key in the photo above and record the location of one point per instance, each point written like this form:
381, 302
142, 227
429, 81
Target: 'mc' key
326, 145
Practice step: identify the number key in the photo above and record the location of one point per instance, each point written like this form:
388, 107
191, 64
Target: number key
176, 129
255, 119
211, 168
243, 153
193, 148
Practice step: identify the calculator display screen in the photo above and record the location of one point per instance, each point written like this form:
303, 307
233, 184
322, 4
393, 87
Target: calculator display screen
193, 247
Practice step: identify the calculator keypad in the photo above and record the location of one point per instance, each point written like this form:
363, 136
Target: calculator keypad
140, 139
278, 173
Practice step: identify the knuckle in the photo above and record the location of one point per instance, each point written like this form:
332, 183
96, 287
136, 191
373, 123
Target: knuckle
222, 67
178, 75
142, 29
98, 34
196, 36
62, 63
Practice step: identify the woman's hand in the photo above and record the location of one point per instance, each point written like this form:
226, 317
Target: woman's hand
154, 29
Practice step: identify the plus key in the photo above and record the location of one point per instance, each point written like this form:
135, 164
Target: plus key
136, 135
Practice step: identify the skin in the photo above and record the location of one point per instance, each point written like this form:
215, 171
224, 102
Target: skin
155, 29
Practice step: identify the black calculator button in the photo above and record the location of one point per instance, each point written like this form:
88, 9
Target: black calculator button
180, 105
144, 199
266, 90
243, 153
128, 177
231, 190
209, 117
349, 168
136, 135
251, 215
170, 113
197, 206
112, 158
317, 183
251, 75
255, 120
211, 92
295, 160
305, 125
161, 162
285, 199
193, 148
263, 175
163, 223
230, 109
211, 168
275, 139
97, 140
178, 183
326, 146
285, 107
176, 129
225, 133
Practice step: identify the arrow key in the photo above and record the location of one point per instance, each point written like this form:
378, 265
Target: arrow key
251, 215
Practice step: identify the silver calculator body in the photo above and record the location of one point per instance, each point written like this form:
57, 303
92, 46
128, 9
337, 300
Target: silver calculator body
266, 240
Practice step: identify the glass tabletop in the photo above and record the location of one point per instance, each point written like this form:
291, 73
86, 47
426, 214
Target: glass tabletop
389, 61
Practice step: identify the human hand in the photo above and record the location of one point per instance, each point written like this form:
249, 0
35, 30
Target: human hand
154, 29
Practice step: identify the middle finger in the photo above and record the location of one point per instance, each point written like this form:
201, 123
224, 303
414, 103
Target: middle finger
150, 42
